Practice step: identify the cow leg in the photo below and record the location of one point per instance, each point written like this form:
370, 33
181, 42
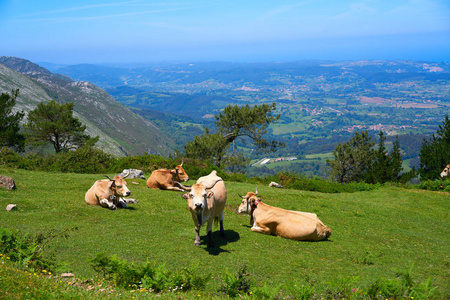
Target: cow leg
263, 229
128, 200
197, 236
174, 188
105, 203
222, 232
209, 234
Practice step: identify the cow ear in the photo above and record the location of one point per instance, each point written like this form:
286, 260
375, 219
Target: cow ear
185, 196
209, 194
173, 171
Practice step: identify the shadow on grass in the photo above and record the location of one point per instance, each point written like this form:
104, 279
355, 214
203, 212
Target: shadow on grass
231, 236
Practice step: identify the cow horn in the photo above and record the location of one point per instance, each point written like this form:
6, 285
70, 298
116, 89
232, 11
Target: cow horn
181, 162
212, 185
128, 174
108, 177
241, 196
256, 192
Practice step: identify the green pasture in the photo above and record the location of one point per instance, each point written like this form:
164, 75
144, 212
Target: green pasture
375, 234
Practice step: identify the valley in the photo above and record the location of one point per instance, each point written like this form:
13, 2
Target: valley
321, 103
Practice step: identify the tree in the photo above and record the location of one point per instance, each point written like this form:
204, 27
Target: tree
10, 135
54, 123
435, 152
385, 167
352, 159
234, 122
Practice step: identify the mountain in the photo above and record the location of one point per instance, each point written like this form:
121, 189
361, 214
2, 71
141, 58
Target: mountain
121, 131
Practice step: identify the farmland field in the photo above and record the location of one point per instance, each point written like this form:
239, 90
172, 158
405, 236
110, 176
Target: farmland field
375, 234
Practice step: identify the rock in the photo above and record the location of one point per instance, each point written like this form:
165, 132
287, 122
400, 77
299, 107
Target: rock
274, 184
7, 182
133, 173
67, 275
10, 207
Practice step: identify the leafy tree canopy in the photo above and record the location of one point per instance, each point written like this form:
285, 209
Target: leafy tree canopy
10, 135
233, 122
54, 123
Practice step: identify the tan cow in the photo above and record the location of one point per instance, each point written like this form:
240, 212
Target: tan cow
109, 193
206, 202
446, 172
164, 179
289, 224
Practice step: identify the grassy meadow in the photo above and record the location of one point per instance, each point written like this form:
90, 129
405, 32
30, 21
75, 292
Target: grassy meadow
375, 233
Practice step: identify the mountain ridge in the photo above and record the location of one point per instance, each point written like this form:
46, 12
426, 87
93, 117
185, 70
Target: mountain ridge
121, 131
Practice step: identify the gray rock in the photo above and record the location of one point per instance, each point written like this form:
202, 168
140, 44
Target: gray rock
274, 184
7, 182
133, 173
10, 207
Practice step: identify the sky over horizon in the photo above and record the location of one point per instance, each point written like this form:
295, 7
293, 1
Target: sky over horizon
108, 31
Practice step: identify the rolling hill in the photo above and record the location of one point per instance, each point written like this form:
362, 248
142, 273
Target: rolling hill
121, 131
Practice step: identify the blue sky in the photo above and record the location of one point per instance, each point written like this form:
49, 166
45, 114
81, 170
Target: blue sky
87, 31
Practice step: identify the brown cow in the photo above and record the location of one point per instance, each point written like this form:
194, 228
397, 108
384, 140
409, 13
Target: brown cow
164, 179
446, 172
288, 224
206, 202
109, 193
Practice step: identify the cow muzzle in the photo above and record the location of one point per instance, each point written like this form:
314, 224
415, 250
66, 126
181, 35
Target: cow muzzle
127, 193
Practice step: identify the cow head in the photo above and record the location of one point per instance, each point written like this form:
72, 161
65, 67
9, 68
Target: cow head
446, 172
118, 186
198, 199
179, 174
248, 203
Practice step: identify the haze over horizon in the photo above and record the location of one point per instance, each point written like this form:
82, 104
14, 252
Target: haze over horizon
108, 31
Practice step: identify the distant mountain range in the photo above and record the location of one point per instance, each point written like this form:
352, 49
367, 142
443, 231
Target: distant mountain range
121, 131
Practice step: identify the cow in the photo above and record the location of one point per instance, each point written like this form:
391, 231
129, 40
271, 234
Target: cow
206, 202
446, 172
295, 225
109, 193
164, 179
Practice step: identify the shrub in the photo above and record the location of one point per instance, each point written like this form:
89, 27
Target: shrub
28, 251
155, 278
239, 284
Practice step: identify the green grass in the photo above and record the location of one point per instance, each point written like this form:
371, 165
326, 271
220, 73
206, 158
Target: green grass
375, 234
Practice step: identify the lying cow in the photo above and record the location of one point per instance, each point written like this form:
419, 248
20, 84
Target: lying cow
206, 202
169, 179
109, 193
289, 224
446, 172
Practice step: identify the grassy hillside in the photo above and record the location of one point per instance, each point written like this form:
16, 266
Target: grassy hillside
375, 234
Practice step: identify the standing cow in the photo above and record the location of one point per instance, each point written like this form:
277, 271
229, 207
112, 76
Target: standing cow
109, 193
169, 179
206, 202
289, 224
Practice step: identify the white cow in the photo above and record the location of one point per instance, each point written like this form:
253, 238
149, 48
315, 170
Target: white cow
206, 202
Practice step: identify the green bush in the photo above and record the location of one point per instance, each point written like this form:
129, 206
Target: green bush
155, 278
26, 250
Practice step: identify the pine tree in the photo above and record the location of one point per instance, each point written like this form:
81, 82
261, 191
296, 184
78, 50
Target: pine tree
10, 135
435, 152
54, 123
352, 159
